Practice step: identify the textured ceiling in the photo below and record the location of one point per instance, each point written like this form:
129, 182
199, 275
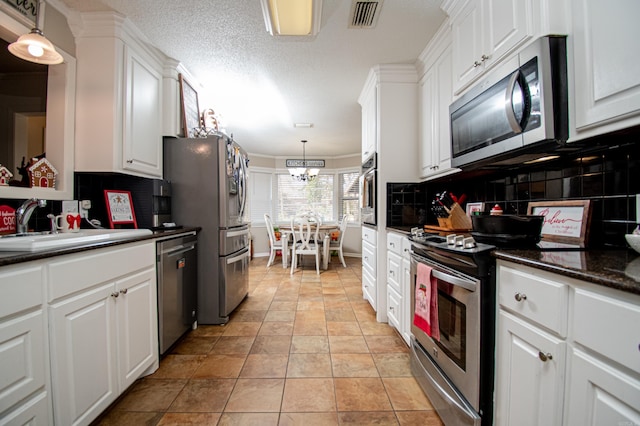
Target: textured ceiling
260, 84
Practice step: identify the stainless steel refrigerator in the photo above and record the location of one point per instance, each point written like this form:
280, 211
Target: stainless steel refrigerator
209, 184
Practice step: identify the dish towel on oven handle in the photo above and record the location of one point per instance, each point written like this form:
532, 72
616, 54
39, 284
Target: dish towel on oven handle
425, 315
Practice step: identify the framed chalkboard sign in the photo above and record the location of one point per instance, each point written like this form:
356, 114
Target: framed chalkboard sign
190, 108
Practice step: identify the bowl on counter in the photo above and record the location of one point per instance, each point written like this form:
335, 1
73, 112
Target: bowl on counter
634, 241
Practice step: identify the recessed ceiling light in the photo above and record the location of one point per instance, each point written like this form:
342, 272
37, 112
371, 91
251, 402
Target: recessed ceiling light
303, 125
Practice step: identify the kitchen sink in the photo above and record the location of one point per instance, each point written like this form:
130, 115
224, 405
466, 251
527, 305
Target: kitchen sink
38, 241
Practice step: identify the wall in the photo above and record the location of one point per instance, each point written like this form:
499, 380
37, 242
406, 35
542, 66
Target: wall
606, 171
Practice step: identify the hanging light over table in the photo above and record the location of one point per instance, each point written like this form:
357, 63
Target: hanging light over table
34, 47
303, 173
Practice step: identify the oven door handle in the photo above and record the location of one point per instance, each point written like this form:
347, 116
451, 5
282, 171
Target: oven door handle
466, 284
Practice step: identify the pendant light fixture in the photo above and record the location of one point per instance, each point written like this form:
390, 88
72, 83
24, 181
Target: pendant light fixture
303, 173
34, 47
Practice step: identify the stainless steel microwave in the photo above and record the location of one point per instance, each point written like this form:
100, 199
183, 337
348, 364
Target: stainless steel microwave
519, 109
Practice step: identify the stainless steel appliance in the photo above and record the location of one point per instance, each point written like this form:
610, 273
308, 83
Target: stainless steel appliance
161, 203
177, 287
368, 190
209, 189
455, 369
516, 111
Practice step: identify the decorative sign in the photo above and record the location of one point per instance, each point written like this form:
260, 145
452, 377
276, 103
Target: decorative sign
120, 207
564, 221
305, 163
26, 8
7, 220
190, 108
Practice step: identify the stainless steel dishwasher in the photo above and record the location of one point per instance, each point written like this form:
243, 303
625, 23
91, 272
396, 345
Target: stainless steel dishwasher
177, 287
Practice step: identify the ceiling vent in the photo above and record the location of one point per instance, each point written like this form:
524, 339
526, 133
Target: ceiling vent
364, 13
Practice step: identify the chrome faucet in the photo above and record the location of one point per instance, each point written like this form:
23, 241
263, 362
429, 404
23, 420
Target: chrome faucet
24, 213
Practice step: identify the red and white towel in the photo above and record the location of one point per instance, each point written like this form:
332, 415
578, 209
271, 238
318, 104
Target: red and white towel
425, 315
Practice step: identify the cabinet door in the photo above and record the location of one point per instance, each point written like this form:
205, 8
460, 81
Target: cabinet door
507, 24
369, 288
442, 152
137, 325
369, 124
530, 368
600, 394
467, 39
394, 309
394, 271
607, 72
142, 150
405, 319
428, 117
83, 355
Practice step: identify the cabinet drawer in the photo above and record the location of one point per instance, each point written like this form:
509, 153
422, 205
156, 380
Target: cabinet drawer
394, 271
608, 325
394, 243
406, 248
369, 235
21, 288
75, 273
369, 287
369, 258
535, 295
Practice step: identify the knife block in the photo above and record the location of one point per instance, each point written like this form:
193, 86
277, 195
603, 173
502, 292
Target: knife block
457, 219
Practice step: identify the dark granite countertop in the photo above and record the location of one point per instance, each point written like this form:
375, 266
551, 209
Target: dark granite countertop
619, 269
11, 258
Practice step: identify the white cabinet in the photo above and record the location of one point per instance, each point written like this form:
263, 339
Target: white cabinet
398, 284
369, 112
103, 327
436, 93
24, 371
530, 367
369, 265
485, 31
566, 351
606, 71
119, 99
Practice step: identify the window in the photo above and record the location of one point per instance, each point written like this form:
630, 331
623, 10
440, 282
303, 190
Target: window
349, 196
259, 195
294, 197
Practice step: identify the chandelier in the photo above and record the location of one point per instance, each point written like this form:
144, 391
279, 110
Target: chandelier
302, 173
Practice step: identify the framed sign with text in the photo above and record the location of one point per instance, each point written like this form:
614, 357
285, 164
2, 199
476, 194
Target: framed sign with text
564, 221
190, 108
120, 208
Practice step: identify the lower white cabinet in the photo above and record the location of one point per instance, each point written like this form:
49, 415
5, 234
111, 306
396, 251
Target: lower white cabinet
398, 284
529, 374
25, 397
586, 373
369, 266
103, 328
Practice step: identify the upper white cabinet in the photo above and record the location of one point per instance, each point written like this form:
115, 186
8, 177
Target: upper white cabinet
485, 31
119, 98
369, 111
606, 65
435, 95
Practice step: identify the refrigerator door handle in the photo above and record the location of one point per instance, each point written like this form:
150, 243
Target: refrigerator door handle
238, 233
242, 186
238, 258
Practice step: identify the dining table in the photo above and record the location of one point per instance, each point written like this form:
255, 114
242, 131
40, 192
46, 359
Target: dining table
324, 232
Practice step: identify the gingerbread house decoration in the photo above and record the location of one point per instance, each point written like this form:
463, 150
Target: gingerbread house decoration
42, 173
5, 175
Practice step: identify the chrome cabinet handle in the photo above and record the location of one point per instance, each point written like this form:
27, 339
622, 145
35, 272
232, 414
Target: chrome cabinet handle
129, 161
484, 58
476, 64
124, 291
115, 294
391, 273
520, 297
545, 357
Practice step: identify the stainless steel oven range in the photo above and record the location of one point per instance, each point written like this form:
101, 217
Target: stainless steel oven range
453, 361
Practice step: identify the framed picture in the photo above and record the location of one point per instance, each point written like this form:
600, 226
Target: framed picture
474, 207
190, 108
120, 208
564, 221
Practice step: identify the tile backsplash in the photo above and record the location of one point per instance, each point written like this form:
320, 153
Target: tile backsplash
606, 171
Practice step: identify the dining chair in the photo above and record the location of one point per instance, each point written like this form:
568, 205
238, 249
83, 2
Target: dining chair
336, 245
305, 239
275, 243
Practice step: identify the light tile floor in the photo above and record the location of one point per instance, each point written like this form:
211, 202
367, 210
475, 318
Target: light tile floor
300, 350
